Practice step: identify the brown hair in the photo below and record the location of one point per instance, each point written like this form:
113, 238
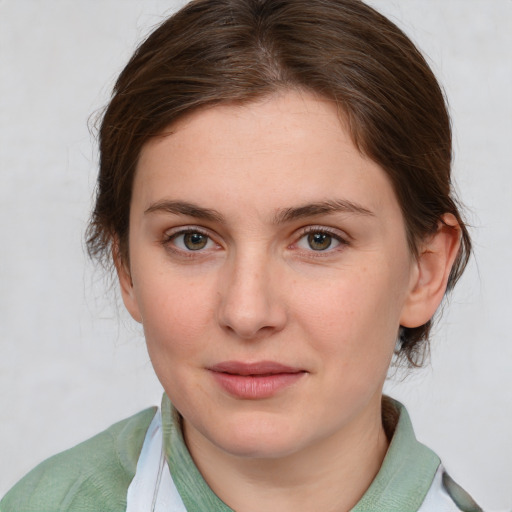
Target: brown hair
215, 51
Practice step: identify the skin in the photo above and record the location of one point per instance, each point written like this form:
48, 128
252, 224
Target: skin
262, 289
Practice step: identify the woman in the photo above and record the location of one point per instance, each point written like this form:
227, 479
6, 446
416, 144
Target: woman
274, 193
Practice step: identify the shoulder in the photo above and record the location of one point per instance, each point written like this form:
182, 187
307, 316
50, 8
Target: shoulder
91, 476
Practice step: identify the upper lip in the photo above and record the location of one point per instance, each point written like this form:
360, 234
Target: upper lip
257, 368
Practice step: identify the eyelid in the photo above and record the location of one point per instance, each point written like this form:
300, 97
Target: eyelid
173, 233
183, 230
341, 236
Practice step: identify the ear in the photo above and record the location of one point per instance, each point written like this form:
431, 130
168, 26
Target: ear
433, 265
125, 282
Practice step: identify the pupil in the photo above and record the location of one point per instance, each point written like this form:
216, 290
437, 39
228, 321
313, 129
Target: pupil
195, 241
319, 241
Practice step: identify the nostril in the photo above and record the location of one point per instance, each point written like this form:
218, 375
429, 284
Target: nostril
248, 304
251, 323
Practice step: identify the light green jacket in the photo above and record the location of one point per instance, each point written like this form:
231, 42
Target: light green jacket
94, 476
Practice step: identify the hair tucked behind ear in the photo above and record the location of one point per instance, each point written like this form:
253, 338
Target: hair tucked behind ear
215, 51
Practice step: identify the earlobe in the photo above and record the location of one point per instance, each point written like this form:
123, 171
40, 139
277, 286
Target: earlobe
125, 282
433, 266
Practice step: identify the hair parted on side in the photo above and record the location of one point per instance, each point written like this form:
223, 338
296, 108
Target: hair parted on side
236, 51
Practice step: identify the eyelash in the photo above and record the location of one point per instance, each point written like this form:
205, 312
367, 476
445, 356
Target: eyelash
322, 230
169, 240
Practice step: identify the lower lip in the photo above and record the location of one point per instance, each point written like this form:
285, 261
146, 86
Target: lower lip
255, 387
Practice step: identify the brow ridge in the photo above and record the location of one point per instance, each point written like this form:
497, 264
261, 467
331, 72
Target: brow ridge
281, 216
320, 208
185, 208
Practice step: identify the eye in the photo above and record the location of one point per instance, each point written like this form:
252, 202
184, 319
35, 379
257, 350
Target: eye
191, 240
319, 240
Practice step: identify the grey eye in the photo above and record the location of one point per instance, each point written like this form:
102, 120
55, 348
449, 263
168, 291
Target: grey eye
319, 241
195, 241
189, 241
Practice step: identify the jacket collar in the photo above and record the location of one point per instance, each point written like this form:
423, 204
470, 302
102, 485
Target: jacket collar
402, 483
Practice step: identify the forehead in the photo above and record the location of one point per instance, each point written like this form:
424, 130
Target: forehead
284, 149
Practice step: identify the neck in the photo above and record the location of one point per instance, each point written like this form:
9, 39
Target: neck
330, 476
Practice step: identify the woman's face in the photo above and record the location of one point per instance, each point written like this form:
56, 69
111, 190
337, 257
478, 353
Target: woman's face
270, 268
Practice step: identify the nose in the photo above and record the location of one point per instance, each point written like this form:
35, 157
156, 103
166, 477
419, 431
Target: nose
252, 302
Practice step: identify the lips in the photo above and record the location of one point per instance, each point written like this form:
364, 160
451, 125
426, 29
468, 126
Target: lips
254, 381
255, 369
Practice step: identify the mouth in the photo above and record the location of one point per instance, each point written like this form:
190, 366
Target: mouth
255, 381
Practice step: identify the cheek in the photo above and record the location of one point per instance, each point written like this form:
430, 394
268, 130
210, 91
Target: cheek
178, 330
176, 313
354, 316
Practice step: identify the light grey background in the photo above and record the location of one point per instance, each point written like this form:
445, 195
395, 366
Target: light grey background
72, 363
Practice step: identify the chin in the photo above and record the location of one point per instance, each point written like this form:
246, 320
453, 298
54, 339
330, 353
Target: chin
258, 438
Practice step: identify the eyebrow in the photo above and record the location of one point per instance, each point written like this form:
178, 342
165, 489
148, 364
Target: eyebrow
282, 216
185, 208
320, 208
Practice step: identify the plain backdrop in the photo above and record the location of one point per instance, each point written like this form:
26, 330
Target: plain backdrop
72, 363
